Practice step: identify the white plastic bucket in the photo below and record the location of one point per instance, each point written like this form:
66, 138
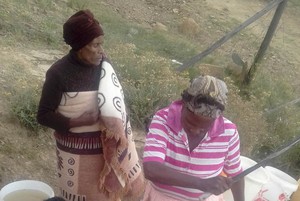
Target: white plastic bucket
253, 181
288, 183
26, 185
271, 191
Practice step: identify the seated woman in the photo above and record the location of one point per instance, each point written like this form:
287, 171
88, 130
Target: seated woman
190, 143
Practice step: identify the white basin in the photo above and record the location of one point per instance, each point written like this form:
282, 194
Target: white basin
26, 185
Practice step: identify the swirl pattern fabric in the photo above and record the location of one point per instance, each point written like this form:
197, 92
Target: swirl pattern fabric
115, 126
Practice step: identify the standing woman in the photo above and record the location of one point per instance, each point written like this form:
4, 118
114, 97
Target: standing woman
83, 101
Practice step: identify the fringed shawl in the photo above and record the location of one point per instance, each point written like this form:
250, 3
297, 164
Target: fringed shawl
119, 149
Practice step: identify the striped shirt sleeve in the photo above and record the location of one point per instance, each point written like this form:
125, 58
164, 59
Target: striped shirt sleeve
156, 140
233, 165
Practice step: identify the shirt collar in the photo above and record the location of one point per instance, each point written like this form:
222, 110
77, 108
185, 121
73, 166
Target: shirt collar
174, 120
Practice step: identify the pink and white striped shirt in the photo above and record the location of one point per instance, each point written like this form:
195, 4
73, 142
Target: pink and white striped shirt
167, 143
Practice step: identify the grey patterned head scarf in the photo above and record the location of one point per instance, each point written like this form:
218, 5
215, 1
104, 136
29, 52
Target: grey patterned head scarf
206, 96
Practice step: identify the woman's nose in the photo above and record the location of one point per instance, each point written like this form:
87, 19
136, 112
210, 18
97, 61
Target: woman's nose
100, 49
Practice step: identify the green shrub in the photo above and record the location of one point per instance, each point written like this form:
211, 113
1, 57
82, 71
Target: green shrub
24, 105
288, 162
148, 81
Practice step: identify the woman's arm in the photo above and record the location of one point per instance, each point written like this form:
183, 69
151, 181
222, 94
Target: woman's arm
50, 99
233, 162
160, 173
237, 190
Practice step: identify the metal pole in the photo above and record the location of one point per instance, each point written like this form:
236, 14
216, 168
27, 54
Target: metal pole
266, 42
221, 41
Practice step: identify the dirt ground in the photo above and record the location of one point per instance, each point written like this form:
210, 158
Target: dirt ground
41, 164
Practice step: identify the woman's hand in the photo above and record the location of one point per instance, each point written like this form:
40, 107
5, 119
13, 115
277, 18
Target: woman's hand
85, 119
216, 185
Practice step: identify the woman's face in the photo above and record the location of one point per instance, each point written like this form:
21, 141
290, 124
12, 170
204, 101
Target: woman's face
93, 52
195, 124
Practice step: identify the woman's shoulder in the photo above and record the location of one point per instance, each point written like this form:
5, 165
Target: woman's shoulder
228, 124
60, 63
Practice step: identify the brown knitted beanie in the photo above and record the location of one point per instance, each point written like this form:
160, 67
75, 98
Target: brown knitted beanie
80, 29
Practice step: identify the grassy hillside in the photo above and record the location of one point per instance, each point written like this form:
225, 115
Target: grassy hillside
31, 39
